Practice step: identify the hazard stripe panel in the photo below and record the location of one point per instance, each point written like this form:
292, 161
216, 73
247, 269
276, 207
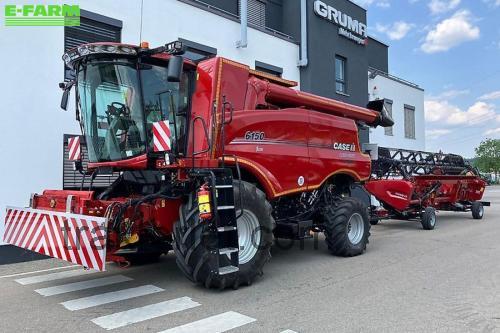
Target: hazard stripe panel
220, 323
147, 312
79, 239
74, 152
161, 136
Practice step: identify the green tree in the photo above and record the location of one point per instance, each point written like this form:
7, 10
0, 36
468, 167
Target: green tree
488, 157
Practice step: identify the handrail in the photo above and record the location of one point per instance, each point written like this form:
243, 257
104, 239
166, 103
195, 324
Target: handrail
205, 130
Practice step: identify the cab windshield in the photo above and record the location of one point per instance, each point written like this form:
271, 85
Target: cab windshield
120, 100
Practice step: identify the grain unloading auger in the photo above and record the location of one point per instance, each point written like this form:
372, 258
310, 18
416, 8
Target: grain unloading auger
414, 184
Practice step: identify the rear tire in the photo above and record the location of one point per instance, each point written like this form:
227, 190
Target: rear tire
428, 218
191, 240
477, 210
347, 227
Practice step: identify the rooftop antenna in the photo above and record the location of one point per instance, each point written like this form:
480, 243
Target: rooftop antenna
140, 32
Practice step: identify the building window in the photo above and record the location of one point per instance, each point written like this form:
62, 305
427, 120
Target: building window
340, 79
196, 51
256, 13
93, 28
267, 68
409, 122
388, 106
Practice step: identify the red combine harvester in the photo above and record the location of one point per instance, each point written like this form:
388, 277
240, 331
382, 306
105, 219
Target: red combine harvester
412, 185
215, 160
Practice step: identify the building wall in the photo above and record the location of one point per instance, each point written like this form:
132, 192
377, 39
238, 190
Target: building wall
400, 94
32, 125
378, 55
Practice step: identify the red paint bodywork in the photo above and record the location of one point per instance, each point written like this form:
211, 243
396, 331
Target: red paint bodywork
404, 195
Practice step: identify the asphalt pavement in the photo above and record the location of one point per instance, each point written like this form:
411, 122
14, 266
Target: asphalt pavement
409, 280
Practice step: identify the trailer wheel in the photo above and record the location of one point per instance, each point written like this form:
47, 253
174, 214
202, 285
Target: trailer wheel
374, 221
347, 227
254, 234
477, 209
428, 218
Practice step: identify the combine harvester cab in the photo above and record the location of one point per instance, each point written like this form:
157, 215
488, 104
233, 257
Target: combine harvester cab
412, 185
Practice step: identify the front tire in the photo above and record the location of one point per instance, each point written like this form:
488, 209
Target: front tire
347, 227
192, 237
477, 209
428, 218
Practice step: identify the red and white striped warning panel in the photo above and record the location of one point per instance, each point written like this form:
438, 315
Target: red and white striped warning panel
161, 136
74, 153
79, 239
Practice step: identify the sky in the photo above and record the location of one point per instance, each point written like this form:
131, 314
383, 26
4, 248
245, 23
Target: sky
451, 48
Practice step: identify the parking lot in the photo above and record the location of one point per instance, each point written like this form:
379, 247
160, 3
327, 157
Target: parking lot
446, 280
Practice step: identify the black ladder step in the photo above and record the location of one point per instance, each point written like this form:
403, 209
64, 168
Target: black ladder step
223, 186
225, 207
228, 270
228, 250
224, 229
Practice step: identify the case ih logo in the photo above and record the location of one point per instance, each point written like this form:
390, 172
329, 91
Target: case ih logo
344, 146
42, 15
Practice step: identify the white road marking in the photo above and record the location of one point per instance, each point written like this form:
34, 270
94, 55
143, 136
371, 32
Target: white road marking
66, 288
53, 276
147, 312
39, 271
114, 296
288, 331
219, 323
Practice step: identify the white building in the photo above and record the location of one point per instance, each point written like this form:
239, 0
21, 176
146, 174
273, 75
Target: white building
406, 103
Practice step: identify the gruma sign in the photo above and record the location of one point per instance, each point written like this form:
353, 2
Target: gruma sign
348, 27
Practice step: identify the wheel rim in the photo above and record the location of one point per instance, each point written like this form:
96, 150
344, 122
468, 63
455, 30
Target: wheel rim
481, 211
355, 228
432, 220
248, 236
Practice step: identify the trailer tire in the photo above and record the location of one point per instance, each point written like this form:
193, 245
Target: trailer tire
477, 209
428, 218
374, 221
347, 227
192, 237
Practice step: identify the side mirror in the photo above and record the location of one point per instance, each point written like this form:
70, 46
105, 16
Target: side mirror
65, 99
175, 68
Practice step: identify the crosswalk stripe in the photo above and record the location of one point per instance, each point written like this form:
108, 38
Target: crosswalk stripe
219, 323
114, 296
66, 288
147, 312
53, 276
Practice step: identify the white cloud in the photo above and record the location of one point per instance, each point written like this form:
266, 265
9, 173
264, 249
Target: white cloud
492, 95
494, 3
444, 112
442, 6
378, 3
495, 132
450, 94
451, 32
436, 133
396, 31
